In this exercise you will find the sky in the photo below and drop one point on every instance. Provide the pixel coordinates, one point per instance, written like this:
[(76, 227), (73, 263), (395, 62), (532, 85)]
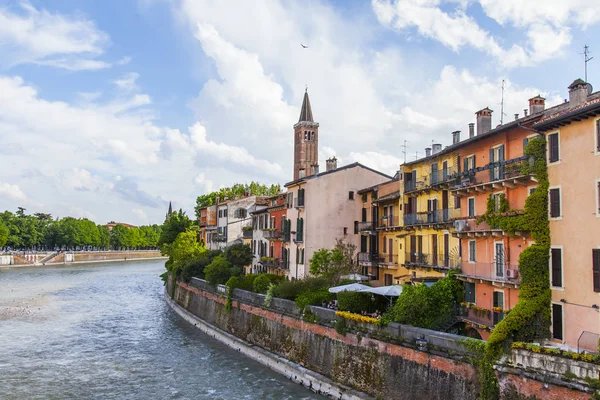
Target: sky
[(110, 109)]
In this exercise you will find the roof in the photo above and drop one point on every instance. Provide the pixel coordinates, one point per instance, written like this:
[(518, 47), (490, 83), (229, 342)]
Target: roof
[(387, 197), (588, 109), (306, 111), (371, 188), (333, 171)]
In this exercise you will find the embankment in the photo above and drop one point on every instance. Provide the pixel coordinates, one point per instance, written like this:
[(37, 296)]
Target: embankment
[(41, 259), (392, 362)]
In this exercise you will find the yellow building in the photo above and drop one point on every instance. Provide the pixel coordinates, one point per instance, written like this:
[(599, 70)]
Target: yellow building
[(428, 248)]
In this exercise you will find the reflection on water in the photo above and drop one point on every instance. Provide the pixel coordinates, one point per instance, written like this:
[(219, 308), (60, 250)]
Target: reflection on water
[(104, 331)]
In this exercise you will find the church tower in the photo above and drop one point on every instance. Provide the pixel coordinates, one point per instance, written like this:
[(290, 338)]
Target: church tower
[(306, 142)]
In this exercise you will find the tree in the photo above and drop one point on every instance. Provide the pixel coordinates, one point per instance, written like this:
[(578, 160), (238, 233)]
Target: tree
[(332, 264), (103, 236), (238, 255), (175, 224), (219, 271), (183, 250), (238, 189), (3, 234)]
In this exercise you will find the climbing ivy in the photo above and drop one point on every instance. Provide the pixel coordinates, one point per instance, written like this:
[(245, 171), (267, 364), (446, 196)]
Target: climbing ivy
[(529, 320)]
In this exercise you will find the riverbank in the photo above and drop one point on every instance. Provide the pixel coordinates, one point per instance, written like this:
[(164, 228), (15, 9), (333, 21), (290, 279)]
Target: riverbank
[(393, 361), (58, 259)]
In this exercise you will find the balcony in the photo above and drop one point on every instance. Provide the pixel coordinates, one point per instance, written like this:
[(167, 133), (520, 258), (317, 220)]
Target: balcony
[(442, 216), (299, 202), (368, 258), (493, 177), (272, 234), (481, 318), (388, 260), (271, 262), (443, 178), (413, 186), (468, 228), (437, 261), (219, 239), (496, 273), (247, 233), (365, 226), (389, 222)]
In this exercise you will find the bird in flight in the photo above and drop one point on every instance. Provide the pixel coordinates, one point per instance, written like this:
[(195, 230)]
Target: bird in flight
[(303, 46)]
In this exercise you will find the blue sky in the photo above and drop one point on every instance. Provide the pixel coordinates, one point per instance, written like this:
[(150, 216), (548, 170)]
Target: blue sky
[(110, 109)]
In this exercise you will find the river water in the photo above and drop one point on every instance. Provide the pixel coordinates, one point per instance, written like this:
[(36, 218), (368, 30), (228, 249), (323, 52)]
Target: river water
[(104, 331)]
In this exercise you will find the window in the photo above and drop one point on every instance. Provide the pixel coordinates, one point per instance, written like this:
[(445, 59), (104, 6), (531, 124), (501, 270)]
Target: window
[(387, 279), (384, 246), (300, 197), (364, 198), (498, 301), (469, 163), (351, 195), (555, 203), (302, 256), (472, 249), (456, 202), (596, 269), (299, 230), (374, 195), (470, 292), (497, 197), (556, 267), (525, 141), (290, 200), (496, 158), (532, 190), (345, 231), (557, 321), (553, 150), (355, 227), (471, 206)]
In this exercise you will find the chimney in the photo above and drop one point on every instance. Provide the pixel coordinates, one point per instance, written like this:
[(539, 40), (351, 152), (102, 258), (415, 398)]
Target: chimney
[(455, 137), (218, 199), (578, 92), (484, 120), (427, 151), (436, 148), (331, 164), (471, 130), (537, 104), (525, 112), (516, 117)]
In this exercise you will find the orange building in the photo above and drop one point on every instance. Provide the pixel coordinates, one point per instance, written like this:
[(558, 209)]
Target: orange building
[(491, 180)]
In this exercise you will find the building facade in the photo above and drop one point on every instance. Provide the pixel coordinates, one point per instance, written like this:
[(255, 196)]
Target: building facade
[(573, 158)]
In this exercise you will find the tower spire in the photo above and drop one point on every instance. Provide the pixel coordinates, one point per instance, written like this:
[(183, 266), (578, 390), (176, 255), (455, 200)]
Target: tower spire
[(306, 111)]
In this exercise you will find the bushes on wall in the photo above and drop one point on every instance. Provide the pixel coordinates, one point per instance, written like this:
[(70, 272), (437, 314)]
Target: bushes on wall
[(261, 284), (314, 298), (354, 302)]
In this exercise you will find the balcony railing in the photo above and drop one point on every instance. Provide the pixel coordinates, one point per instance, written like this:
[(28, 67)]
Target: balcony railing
[(487, 178), (443, 176), (388, 259), (368, 257), (365, 226), (419, 184), (247, 233), (432, 217), (389, 221), (272, 262), (491, 271), (481, 318), (272, 234), (435, 260)]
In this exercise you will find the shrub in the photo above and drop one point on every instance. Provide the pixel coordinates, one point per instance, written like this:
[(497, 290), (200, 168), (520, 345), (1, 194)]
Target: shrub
[(261, 284), (341, 326), (313, 298), (354, 302), (357, 317), (290, 290), (218, 271)]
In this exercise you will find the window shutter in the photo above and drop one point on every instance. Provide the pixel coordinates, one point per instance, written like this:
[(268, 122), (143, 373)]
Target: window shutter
[(501, 159), (525, 141), (466, 164), (474, 164), (364, 215), (598, 135), (555, 203), (554, 152), (384, 246), (556, 267), (557, 331), (596, 268), (355, 227), (492, 168)]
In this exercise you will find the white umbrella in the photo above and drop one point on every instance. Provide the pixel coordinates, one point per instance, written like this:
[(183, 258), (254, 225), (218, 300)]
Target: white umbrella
[(355, 277), (388, 291), (353, 287)]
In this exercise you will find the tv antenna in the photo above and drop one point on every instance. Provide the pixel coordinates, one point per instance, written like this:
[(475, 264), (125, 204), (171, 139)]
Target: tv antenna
[(404, 150), (502, 114), (586, 58), (416, 155)]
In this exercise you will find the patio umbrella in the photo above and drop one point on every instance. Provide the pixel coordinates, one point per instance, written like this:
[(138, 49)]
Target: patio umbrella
[(355, 277), (388, 291), (353, 287)]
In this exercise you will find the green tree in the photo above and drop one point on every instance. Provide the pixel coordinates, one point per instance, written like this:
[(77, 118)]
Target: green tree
[(3, 234), (183, 250), (103, 236), (219, 271), (238, 189), (238, 255), (149, 236), (332, 264), (119, 237), (177, 223)]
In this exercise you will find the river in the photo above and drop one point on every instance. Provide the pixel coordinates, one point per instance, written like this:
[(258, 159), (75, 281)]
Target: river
[(104, 331)]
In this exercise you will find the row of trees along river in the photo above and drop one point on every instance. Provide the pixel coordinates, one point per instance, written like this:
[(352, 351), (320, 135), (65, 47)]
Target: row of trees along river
[(20, 231)]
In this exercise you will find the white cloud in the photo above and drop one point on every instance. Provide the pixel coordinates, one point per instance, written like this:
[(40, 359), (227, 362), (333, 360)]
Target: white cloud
[(547, 28), (207, 185), (128, 82), (142, 217), (13, 192), (385, 163), (38, 36)]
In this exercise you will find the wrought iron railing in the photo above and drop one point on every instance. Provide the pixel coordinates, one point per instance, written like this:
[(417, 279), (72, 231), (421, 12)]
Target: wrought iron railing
[(388, 221), (494, 271), (365, 226)]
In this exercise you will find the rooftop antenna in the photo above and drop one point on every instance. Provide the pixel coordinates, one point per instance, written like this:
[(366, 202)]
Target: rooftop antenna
[(416, 155), (502, 114), (404, 150), (586, 58)]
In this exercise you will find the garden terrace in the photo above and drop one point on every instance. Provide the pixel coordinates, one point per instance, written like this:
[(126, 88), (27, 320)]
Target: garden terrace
[(493, 177), (498, 274)]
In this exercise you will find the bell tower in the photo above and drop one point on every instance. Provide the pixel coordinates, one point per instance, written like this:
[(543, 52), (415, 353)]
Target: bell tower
[(306, 142)]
